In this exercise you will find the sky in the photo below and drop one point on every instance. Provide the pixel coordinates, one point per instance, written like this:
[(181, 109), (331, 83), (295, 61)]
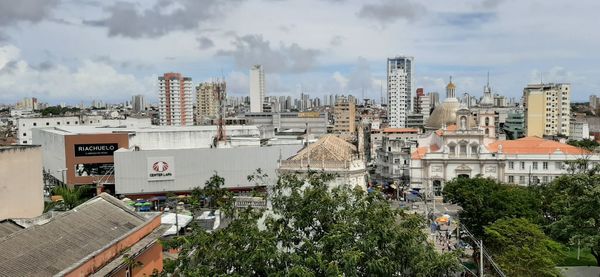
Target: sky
[(80, 50)]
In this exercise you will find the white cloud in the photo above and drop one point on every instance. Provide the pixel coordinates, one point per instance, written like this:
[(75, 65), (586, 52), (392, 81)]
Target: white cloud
[(89, 80)]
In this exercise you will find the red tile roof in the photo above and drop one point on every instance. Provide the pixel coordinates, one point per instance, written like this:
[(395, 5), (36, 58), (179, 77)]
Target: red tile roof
[(534, 145), (400, 130), (419, 153)]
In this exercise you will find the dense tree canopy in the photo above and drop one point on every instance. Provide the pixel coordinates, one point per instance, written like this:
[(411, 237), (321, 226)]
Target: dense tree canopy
[(313, 230), (483, 201), (571, 206), (522, 249), (585, 143)]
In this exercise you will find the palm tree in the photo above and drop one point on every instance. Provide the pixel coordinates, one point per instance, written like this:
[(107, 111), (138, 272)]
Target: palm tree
[(71, 197)]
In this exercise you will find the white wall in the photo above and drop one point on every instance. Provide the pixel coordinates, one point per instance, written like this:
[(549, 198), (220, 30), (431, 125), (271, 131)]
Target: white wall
[(193, 167)]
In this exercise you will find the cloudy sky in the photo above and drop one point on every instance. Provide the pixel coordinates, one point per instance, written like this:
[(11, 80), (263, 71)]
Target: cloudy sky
[(79, 50)]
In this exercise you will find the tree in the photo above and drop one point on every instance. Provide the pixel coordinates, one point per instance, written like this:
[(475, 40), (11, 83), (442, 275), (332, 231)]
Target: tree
[(522, 249), (314, 230), (71, 196), (571, 206), (587, 144), (483, 201)]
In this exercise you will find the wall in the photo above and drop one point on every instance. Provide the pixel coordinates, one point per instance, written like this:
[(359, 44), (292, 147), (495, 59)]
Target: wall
[(72, 161), (102, 258), (150, 259), (53, 151), (21, 184), (192, 167), (189, 137), (535, 114)]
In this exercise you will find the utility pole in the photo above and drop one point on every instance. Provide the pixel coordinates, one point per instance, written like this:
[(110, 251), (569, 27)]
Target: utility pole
[(480, 258)]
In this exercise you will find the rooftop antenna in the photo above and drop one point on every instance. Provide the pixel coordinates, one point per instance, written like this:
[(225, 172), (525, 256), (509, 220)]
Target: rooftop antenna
[(541, 78)]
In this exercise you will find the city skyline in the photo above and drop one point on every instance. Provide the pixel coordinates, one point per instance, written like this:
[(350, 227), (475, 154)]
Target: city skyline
[(102, 48)]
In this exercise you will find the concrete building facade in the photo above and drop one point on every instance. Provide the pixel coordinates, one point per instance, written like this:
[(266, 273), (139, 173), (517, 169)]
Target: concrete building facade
[(257, 88), (399, 89), (175, 100), (547, 109), (21, 185), (26, 124), (154, 172), (344, 114), (209, 96)]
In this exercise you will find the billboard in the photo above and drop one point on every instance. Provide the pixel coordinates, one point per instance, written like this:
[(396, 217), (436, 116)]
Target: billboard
[(95, 169), (161, 168), (96, 149)]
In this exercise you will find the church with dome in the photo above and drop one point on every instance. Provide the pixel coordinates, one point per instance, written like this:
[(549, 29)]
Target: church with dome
[(445, 113)]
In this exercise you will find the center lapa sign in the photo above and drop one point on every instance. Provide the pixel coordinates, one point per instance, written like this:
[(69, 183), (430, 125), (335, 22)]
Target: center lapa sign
[(161, 168)]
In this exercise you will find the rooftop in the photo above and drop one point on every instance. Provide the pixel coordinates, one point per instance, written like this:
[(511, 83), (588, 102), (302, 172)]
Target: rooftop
[(534, 145), (400, 130), (75, 130), (327, 148), (67, 239)]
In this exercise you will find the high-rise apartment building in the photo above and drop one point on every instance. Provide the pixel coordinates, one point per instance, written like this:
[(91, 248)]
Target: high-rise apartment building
[(257, 88), (593, 102), (208, 100), (344, 114), (399, 87), (138, 103), (175, 100), (547, 109)]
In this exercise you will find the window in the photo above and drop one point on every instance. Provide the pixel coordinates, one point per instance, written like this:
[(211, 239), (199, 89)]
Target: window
[(559, 165), (511, 165), (545, 179), (521, 179), (68, 122), (24, 134), (522, 165), (34, 124), (24, 142), (473, 150), (487, 121), (511, 179), (463, 150), (452, 150), (57, 123), (545, 165), (535, 166), (47, 123)]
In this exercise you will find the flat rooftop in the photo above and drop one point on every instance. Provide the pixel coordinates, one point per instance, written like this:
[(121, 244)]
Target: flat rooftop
[(79, 130)]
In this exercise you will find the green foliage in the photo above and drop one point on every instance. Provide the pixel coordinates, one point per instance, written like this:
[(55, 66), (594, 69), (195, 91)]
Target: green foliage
[(585, 257), (213, 195), (72, 196), (313, 230), (585, 144), (58, 110), (571, 207), (484, 201), (521, 248)]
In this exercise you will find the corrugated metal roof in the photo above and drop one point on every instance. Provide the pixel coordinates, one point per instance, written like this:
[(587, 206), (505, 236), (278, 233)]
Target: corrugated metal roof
[(8, 227), (45, 250)]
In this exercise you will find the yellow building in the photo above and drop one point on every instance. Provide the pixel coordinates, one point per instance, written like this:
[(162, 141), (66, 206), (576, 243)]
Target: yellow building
[(547, 109), (208, 100), (344, 113)]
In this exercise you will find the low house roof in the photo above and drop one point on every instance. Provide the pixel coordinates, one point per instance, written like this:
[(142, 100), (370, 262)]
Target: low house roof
[(534, 145), (46, 250)]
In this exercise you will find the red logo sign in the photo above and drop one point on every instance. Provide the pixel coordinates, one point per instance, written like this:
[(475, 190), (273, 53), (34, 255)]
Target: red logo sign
[(160, 166)]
